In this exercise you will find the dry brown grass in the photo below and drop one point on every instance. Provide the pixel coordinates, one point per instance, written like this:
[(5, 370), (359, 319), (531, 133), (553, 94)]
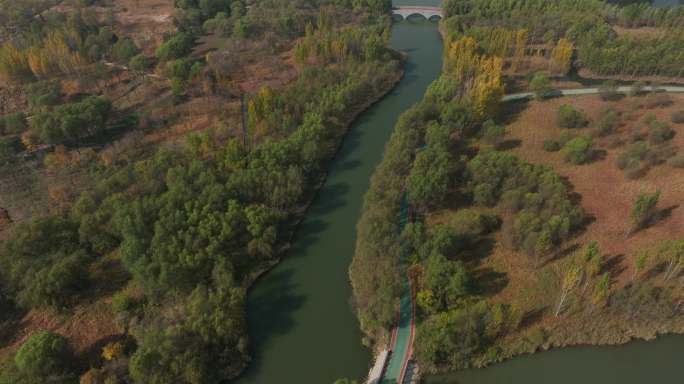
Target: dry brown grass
[(531, 286), (640, 33), (145, 21), (606, 194)]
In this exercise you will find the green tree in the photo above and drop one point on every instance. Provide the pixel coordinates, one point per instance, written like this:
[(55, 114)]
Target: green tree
[(428, 182), (43, 264), (448, 280)]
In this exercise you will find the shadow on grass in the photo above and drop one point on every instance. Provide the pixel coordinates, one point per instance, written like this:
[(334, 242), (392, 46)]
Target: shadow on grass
[(489, 282), (509, 144), (10, 321), (510, 111), (532, 317), (613, 265), (657, 218), (561, 254)]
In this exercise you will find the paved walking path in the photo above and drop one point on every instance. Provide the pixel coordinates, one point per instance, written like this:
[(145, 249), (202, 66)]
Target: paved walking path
[(588, 91)]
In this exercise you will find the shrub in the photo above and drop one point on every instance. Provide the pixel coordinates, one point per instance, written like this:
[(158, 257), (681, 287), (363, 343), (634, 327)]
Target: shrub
[(659, 132), (72, 121), (607, 122), (43, 93), (124, 50), (540, 85), (609, 90), (42, 355), (49, 251), (13, 123), (578, 150), (657, 100), (176, 47), (636, 171), (569, 117), (551, 145), (8, 150), (678, 117), (637, 88), (492, 133), (634, 152), (139, 63), (677, 161), (645, 208)]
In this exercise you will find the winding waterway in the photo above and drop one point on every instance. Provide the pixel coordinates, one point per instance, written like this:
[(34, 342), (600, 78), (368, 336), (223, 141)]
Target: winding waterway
[(300, 320), (301, 323)]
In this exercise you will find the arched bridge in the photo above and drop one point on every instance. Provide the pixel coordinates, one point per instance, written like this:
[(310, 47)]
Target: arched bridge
[(426, 12)]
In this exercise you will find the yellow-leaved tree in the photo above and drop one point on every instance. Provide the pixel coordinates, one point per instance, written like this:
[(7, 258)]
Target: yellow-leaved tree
[(561, 56)]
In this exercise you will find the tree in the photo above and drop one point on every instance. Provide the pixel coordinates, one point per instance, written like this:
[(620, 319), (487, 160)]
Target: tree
[(644, 209), (569, 117), (540, 85), (562, 56), (570, 280)]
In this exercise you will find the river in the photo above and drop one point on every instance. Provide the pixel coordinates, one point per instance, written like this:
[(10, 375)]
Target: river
[(300, 321)]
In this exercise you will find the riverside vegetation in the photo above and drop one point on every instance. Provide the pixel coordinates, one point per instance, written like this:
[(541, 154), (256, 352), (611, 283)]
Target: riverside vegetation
[(507, 250), (160, 242)]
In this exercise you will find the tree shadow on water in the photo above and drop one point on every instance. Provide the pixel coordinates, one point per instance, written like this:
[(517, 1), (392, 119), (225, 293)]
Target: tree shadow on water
[(330, 197), (270, 310)]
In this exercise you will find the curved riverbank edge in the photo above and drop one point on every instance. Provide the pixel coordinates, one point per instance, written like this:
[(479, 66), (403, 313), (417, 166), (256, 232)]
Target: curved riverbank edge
[(315, 190)]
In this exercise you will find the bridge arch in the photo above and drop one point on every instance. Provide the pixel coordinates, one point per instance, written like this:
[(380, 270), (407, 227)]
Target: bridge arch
[(429, 13)]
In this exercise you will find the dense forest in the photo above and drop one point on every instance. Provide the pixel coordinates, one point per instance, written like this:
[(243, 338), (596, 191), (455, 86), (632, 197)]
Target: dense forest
[(589, 25), (188, 227)]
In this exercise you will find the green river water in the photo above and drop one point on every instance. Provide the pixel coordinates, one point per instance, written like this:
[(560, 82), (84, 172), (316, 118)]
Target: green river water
[(300, 321)]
